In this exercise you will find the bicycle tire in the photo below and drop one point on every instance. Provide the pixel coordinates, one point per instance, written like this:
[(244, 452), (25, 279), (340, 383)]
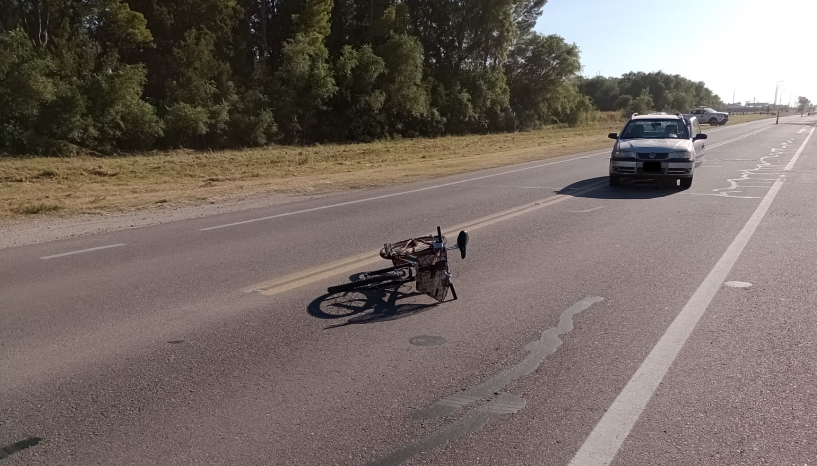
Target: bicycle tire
[(395, 269), (368, 282)]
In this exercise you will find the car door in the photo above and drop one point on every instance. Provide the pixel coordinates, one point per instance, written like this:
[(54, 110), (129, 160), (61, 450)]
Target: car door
[(700, 144)]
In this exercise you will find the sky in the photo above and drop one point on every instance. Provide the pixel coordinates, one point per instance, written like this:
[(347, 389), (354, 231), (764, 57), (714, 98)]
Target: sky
[(745, 47)]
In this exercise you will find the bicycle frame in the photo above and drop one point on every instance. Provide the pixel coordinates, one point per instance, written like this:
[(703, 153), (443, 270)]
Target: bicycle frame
[(422, 259), (430, 262)]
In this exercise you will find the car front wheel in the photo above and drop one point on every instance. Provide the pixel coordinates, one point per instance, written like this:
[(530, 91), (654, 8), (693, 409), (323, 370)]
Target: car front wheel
[(615, 180), (686, 183), (713, 121)]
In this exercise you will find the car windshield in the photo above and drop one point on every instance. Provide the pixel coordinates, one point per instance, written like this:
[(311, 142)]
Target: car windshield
[(655, 129)]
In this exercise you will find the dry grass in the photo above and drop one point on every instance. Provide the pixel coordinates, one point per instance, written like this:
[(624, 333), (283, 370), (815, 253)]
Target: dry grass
[(65, 186)]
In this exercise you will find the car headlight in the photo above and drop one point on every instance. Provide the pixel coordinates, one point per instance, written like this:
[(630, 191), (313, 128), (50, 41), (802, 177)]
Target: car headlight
[(681, 155), (623, 154)]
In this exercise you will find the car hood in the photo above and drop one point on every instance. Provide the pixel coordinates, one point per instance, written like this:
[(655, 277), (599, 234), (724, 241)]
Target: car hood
[(655, 145)]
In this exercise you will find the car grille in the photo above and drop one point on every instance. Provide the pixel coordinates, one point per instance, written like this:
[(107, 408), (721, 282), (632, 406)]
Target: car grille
[(658, 155)]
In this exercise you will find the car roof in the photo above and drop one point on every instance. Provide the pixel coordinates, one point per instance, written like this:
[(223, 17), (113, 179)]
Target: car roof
[(656, 117)]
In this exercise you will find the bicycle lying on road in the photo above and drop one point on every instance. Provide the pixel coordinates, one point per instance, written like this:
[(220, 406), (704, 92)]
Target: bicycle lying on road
[(423, 260)]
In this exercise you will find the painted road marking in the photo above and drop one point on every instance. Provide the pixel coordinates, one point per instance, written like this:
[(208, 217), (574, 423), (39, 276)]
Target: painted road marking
[(729, 141), (402, 193), (726, 195), (587, 210), (604, 442), (511, 186), (736, 284), (81, 251), (793, 160), (306, 277), (752, 176)]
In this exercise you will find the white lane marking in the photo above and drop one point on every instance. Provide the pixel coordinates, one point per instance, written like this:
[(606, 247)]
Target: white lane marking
[(793, 160), (587, 210), (603, 443), (729, 141), (724, 195), (510, 186), (403, 193), (754, 176), (83, 251), (735, 284)]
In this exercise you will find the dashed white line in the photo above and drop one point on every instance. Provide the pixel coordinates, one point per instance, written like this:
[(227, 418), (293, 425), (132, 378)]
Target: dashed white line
[(725, 195), (81, 251), (587, 210), (511, 186), (602, 445)]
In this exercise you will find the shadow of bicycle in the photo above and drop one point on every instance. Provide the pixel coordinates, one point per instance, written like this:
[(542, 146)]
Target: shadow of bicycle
[(370, 305)]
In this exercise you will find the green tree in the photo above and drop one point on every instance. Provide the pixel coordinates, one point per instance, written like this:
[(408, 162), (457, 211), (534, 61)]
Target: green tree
[(803, 104), (200, 93), (407, 100), (120, 117), (313, 21), (303, 86), (80, 95), (641, 104), (358, 104), (542, 72), (526, 13), (602, 91)]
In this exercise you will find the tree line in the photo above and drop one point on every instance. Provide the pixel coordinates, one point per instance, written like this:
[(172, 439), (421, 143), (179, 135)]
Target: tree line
[(117, 75), (639, 92)]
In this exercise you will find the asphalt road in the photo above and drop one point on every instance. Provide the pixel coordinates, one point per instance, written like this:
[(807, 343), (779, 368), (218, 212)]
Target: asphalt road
[(628, 326)]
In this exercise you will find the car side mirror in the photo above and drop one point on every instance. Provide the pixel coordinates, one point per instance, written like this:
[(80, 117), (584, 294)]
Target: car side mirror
[(613, 135), (701, 136), (462, 242)]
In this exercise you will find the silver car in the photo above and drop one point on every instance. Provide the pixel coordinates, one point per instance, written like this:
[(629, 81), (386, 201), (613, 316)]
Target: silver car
[(657, 146)]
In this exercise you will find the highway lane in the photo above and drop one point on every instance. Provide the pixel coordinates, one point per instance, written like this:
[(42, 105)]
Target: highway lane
[(258, 379), (171, 268)]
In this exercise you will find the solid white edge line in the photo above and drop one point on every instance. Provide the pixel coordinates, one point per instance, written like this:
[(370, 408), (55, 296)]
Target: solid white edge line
[(402, 193), (82, 251), (602, 445)]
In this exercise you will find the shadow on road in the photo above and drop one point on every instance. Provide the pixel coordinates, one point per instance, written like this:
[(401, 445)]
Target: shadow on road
[(370, 305), (629, 189)]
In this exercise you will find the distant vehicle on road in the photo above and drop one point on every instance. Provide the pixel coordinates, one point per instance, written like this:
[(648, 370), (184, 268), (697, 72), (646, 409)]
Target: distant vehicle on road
[(708, 115), (657, 146)]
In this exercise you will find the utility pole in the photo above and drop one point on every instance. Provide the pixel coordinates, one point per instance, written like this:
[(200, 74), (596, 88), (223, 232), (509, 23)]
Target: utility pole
[(777, 88)]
